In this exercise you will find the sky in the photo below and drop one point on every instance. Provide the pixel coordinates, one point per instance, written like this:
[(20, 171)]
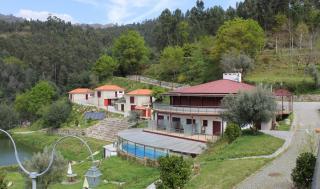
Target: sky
[(99, 11)]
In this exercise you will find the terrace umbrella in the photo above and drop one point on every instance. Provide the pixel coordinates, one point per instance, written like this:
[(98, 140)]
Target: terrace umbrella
[(69, 169), (85, 183)]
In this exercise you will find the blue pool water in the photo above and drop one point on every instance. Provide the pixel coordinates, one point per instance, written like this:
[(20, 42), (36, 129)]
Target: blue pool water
[(141, 152)]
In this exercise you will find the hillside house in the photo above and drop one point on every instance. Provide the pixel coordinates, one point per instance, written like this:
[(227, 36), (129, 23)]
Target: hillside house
[(106, 95), (196, 110), (81, 96), (137, 100)]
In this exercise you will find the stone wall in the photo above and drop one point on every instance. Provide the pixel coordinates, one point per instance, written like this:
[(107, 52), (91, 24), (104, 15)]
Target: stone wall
[(69, 131), (164, 84), (307, 98)]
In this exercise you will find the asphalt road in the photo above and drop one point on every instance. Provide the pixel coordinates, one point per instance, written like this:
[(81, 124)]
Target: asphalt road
[(277, 174)]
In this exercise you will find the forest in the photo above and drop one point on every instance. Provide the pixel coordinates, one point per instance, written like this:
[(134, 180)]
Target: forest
[(188, 47)]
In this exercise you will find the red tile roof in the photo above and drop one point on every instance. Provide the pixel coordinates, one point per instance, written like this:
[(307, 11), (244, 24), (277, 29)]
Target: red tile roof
[(81, 91), (223, 86), (142, 92), (109, 88)]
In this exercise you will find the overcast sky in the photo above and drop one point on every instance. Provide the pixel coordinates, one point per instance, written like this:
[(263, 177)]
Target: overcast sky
[(99, 11)]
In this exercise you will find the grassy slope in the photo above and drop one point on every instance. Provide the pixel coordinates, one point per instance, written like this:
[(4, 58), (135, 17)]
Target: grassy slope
[(216, 170), (71, 149), (134, 175), (220, 173), (129, 85), (274, 68), (283, 126)]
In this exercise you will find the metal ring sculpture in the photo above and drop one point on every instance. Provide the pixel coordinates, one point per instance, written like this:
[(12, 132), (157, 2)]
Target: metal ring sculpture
[(34, 175)]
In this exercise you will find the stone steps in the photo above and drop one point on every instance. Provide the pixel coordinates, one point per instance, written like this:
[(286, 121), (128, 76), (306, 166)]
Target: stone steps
[(108, 129)]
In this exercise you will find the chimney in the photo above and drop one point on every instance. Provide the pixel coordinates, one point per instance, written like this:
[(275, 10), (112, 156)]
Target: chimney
[(233, 76)]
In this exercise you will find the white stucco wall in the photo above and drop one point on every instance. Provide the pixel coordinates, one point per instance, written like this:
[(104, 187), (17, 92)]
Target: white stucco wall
[(266, 125), (106, 95), (138, 101), (81, 98), (198, 120)]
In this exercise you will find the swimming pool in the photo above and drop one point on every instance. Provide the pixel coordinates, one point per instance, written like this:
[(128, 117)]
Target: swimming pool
[(142, 151)]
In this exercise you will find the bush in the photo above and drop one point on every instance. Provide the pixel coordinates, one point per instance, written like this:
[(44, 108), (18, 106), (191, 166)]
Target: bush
[(174, 172), (40, 161), (303, 172), (233, 131), (57, 113), (3, 182)]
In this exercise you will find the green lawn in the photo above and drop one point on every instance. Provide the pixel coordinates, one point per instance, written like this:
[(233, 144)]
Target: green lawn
[(283, 126), (71, 149), (218, 172), (116, 169)]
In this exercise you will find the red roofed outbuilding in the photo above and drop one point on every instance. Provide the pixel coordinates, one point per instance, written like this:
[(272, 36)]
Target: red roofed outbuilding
[(81, 95), (105, 95)]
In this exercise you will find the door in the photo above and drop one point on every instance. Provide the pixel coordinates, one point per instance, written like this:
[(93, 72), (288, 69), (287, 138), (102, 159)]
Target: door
[(106, 102), (216, 128), (122, 107)]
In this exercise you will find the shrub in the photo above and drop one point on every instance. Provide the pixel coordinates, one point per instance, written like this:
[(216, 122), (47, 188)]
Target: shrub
[(303, 172), (57, 113), (233, 131), (3, 182), (174, 172), (40, 161)]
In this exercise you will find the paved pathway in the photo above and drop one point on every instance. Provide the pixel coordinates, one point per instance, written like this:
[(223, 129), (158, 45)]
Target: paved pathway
[(276, 175)]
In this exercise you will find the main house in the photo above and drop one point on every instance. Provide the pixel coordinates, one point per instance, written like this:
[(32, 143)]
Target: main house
[(196, 110)]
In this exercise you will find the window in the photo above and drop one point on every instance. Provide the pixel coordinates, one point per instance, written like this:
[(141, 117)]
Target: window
[(70, 96), (204, 123), (132, 99), (133, 107), (116, 94), (99, 94), (189, 121), (86, 96), (150, 99)]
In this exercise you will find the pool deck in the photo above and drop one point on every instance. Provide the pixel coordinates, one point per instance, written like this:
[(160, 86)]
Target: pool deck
[(161, 141)]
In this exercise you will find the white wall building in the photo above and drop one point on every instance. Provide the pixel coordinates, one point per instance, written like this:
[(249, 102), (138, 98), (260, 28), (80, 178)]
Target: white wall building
[(138, 100), (82, 96), (106, 95)]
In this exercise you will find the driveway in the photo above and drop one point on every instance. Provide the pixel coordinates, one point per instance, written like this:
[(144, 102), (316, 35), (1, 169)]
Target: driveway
[(277, 174)]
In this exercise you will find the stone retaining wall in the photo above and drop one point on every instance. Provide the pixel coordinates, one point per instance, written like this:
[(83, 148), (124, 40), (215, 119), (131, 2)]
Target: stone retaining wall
[(306, 98), (76, 132)]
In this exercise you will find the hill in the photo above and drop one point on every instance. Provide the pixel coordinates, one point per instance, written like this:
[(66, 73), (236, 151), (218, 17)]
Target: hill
[(10, 18), (289, 69)]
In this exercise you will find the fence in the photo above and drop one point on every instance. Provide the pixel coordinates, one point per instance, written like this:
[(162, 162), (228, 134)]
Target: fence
[(140, 150), (164, 84)]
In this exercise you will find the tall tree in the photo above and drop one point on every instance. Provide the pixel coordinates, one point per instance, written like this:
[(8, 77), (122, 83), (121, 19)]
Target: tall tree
[(252, 107), (30, 103), (242, 35), (131, 52), (105, 67)]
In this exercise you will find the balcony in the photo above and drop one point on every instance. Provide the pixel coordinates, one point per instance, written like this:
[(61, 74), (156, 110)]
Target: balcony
[(178, 130), (188, 109)]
